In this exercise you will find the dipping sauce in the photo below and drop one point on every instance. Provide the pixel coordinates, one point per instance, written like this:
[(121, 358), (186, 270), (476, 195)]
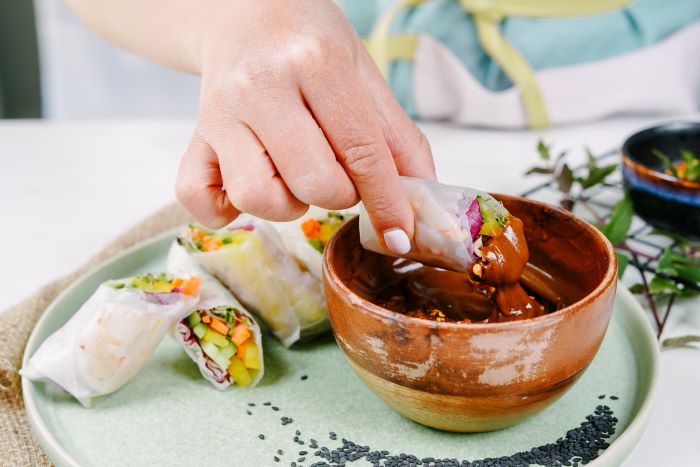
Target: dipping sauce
[(503, 286)]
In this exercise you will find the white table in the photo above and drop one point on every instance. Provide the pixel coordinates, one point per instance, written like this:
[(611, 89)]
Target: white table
[(66, 189)]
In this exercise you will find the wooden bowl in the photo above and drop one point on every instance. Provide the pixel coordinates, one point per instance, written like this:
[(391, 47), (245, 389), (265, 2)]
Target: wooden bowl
[(478, 377), (661, 199)]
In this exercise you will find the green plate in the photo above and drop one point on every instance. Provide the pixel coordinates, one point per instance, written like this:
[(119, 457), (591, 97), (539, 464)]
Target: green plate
[(169, 415)]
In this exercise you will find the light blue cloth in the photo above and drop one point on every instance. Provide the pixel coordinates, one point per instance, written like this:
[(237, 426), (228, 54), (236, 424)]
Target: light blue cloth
[(545, 43)]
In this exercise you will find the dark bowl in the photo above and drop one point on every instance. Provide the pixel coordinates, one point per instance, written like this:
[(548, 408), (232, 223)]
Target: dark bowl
[(661, 199)]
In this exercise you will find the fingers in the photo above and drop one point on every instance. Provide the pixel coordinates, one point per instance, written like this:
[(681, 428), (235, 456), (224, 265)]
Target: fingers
[(302, 155), (199, 186), (251, 179), (343, 109), (408, 145)]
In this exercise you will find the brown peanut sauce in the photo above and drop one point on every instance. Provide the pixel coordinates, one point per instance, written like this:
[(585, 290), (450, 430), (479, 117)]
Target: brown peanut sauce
[(503, 286)]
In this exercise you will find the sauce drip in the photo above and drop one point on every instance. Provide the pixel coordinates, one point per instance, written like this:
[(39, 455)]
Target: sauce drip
[(503, 286), (503, 259)]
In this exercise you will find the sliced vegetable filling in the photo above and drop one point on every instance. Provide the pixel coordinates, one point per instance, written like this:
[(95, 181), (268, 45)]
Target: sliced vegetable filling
[(161, 284), (318, 231), (225, 336), (198, 238)]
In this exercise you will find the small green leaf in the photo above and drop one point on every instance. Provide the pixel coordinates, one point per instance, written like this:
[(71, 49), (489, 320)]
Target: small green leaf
[(682, 266), (687, 156), (620, 221), (666, 161), (565, 178), (539, 170), (680, 340), (543, 150), (622, 262), (662, 286), (637, 288)]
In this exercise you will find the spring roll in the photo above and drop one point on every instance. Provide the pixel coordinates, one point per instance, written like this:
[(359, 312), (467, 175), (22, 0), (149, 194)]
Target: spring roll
[(450, 224), (249, 258), (219, 335), (109, 339), (306, 238)]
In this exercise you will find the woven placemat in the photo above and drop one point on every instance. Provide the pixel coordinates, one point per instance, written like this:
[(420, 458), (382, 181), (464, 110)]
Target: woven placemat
[(17, 444)]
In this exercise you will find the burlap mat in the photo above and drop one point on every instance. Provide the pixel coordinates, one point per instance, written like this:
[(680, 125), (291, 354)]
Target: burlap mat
[(17, 444)]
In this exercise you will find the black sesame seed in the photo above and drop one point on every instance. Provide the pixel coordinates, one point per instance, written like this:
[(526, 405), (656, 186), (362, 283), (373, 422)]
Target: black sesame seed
[(277, 459), (267, 403), (261, 436), (251, 404), (303, 453), (614, 398), (298, 433), (304, 377), (249, 412), (602, 396), (275, 408)]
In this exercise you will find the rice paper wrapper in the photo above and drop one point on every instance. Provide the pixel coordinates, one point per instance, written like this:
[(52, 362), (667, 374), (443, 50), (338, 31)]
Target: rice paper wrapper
[(298, 245), (107, 341), (268, 281), (447, 222), (212, 294)]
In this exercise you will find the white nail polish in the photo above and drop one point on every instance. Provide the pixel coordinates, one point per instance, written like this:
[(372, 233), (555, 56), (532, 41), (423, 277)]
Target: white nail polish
[(397, 241)]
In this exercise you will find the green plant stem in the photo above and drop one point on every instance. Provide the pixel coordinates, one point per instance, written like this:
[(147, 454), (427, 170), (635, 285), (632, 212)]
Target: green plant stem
[(650, 299), (668, 312)]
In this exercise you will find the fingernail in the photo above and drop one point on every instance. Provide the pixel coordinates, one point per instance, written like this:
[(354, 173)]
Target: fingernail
[(397, 241)]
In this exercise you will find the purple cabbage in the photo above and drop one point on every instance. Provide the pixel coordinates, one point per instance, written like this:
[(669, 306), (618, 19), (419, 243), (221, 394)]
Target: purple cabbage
[(474, 217), (166, 298), (249, 227)]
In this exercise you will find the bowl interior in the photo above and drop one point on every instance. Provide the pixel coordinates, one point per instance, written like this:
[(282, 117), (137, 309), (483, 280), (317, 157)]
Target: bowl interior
[(669, 139), (572, 251)]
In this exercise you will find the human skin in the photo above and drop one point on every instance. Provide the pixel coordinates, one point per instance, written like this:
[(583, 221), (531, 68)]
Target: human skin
[(292, 109)]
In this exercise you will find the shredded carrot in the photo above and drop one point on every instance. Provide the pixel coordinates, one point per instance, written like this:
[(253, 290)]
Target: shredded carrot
[(211, 244), (191, 286), (241, 333), (219, 326), (311, 228), (206, 319), (177, 282), (196, 233)]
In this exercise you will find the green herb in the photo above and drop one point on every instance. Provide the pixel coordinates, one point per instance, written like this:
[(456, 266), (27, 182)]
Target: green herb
[(669, 166), (596, 174), (620, 221), (688, 168), (118, 285)]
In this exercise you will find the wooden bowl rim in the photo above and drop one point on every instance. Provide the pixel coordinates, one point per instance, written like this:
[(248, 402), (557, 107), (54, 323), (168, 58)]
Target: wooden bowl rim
[(608, 280)]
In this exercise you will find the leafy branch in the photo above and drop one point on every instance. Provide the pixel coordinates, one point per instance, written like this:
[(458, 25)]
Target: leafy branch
[(677, 267)]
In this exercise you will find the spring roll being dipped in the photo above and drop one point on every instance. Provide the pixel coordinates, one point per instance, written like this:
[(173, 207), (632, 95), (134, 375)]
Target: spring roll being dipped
[(108, 340), (219, 335), (466, 230)]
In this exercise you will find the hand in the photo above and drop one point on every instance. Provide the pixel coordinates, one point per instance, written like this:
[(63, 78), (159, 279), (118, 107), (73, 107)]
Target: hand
[(294, 112)]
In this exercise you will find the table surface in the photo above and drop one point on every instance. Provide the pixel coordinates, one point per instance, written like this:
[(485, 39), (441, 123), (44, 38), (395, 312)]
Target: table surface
[(68, 188)]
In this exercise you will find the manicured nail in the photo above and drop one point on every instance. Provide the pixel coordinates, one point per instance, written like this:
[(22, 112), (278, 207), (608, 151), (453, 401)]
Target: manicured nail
[(397, 241)]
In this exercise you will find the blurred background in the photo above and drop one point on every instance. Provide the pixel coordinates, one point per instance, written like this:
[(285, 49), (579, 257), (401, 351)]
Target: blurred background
[(45, 72)]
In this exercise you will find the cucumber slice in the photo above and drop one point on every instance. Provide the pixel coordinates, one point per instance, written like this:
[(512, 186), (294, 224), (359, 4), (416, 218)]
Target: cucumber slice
[(194, 319), (214, 353), (228, 351), (215, 338), (199, 330)]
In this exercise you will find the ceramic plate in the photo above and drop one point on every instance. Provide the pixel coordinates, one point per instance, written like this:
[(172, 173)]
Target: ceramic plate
[(169, 415)]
